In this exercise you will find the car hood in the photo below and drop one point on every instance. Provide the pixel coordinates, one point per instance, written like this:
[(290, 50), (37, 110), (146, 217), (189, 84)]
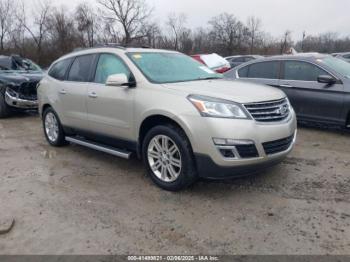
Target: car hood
[(237, 91), (19, 77)]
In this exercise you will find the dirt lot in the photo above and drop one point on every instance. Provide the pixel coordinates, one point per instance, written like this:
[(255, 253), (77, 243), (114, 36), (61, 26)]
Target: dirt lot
[(74, 200)]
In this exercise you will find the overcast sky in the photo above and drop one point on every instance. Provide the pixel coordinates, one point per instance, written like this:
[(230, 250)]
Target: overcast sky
[(313, 16)]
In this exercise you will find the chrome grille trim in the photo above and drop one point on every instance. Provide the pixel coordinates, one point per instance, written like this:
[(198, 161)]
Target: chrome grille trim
[(269, 111)]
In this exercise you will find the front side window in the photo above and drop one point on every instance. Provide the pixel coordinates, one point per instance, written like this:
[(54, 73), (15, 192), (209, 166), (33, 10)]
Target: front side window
[(264, 70), (166, 67), (58, 70), (338, 65), (80, 70), (107, 65), (302, 71)]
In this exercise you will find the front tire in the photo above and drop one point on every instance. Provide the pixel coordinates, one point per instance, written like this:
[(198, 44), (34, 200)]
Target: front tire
[(53, 129), (5, 110), (168, 157)]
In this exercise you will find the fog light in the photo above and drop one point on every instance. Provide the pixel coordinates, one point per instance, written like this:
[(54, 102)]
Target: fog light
[(231, 142)]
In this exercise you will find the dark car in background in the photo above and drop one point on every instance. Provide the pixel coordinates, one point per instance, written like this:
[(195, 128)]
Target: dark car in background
[(214, 62), (19, 78), (241, 59), (345, 56), (318, 86)]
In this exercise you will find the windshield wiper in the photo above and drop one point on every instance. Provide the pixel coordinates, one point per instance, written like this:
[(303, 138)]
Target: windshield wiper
[(209, 78)]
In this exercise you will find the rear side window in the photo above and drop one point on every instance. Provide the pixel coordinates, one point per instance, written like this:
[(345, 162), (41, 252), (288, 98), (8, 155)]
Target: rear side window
[(109, 64), (58, 70), (80, 70), (302, 71), (266, 70)]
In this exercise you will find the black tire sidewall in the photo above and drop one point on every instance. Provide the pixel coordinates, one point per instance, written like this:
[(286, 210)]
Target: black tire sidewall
[(61, 137), (188, 171), (5, 110)]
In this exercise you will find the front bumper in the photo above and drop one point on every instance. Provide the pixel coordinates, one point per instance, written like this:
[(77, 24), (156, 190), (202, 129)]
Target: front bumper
[(208, 169), (15, 101), (210, 161)]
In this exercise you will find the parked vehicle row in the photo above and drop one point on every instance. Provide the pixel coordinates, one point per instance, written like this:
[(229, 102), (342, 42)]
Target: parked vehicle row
[(318, 86), (18, 84), (345, 56), (214, 62), (183, 119), (241, 59)]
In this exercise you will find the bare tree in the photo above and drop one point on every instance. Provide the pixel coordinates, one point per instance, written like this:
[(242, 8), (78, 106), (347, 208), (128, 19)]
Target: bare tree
[(38, 28), (286, 41), (151, 33), (228, 33), (176, 24), (62, 31), (253, 25), (87, 22), (129, 14), (7, 14)]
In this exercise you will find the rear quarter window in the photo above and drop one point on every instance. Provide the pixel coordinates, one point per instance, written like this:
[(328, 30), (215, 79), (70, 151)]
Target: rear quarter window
[(243, 72)]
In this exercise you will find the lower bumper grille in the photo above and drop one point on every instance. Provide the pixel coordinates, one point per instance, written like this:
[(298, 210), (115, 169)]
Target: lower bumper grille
[(247, 151), (278, 146)]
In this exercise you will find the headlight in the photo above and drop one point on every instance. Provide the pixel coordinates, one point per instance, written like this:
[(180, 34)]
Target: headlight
[(214, 107)]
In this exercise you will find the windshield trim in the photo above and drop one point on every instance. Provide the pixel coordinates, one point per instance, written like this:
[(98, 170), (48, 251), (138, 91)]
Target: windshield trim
[(128, 54)]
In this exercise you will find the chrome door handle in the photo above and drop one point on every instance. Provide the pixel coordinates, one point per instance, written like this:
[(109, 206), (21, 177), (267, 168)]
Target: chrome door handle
[(92, 95), (63, 92), (285, 85)]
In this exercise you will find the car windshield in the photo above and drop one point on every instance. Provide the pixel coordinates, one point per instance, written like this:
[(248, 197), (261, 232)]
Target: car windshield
[(169, 67), (338, 65)]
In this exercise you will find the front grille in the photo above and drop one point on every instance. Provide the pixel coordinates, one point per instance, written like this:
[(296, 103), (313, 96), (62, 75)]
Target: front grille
[(278, 146), (28, 90), (247, 151), (272, 111)]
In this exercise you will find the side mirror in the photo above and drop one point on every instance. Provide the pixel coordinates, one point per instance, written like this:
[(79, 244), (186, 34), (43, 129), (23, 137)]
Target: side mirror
[(119, 80), (326, 79)]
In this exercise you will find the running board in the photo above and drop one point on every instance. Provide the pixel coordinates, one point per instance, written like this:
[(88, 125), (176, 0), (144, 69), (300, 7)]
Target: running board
[(100, 147)]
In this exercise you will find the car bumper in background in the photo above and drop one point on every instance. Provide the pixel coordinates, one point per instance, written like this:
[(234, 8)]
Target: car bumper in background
[(20, 103)]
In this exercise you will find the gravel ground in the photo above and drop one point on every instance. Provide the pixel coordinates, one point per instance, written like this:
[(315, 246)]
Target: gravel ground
[(73, 200)]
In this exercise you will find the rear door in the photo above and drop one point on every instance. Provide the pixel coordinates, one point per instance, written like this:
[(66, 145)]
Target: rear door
[(73, 92), (261, 72), (313, 100)]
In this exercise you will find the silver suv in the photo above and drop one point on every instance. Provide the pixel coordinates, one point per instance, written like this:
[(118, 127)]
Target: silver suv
[(180, 117)]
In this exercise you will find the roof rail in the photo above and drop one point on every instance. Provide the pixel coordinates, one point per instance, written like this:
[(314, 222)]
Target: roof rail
[(122, 46), (110, 45)]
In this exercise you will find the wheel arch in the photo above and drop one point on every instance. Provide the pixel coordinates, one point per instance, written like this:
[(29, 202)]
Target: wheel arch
[(43, 108), (158, 119)]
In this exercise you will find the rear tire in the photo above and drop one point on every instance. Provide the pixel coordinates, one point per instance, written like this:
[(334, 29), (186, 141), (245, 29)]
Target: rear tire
[(5, 110), (168, 157), (53, 129)]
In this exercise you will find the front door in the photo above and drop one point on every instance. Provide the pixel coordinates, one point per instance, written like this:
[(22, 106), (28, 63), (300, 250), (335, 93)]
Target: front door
[(110, 109), (313, 100)]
